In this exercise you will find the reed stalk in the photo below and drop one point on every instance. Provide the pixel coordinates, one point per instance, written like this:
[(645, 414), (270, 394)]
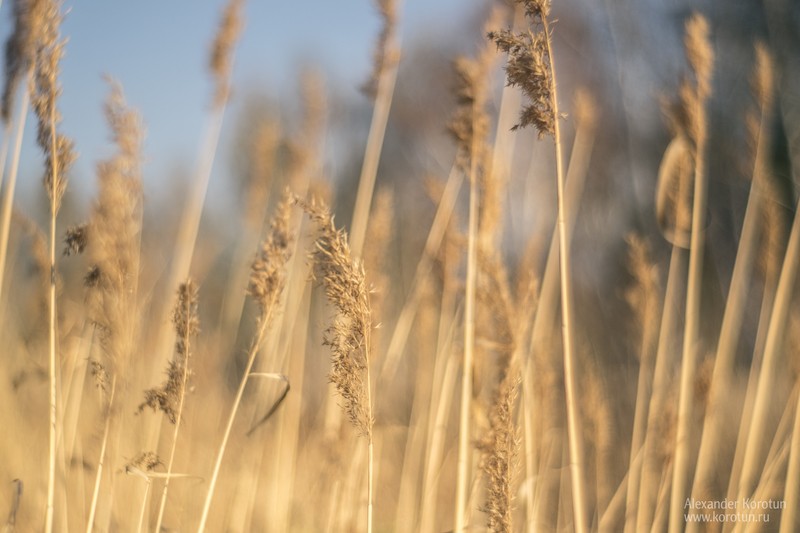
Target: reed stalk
[(701, 59), (267, 281), (384, 79)]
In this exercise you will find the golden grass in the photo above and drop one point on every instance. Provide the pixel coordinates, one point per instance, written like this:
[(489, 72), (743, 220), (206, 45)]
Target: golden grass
[(482, 393)]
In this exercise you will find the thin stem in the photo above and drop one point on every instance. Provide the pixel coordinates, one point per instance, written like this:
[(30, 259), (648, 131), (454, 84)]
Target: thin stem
[(143, 509), (254, 349), (8, 197), (570, 379), (731, 325), (54, 204), (101, 460), (407, 314), (187, 311), (681, 474), (371, 468), (769, 370), (469, 341), (372, 153)]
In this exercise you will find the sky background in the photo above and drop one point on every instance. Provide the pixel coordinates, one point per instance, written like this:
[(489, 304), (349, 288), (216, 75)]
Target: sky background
[(159, 51)]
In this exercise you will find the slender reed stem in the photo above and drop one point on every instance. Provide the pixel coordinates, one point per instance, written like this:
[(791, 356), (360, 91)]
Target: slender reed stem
[(372, 154), (254, 349), (187, 312), (371, 455), (405, 321), (464, 440), (769, 369), (54, 204), (570, 379), (732, 322), (143, 509), (700, 57), (8, 197), (101, 459)]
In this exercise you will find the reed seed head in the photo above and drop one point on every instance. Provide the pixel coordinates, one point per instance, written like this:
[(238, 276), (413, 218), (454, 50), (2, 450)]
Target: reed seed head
[(528, 68), (45, 90), (268, 272), (187, 324), (115, 226), (145, 461), (644, 294), (221, 61), (500, 448), (76, 239), (386, 55), (20, 49), (349, 337), (700, 53)]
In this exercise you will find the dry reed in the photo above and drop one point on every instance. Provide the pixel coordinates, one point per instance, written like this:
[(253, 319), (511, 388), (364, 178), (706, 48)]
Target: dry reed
[(59, 156), (350, 336), (532, 68), (700, 56), (267, 281)]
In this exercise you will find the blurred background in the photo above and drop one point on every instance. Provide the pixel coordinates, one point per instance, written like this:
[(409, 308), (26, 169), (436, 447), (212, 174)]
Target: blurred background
[(628, 54)]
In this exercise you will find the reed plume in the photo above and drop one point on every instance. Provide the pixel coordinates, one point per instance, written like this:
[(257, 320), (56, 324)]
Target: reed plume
[(112, 242), (221, 60), (700, 56), (170, 397), (20, 50), (501, 450), (350, 335), (385, 54), (59, 156)]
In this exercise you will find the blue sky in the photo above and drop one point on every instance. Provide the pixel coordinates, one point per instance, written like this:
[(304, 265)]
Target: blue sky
[(158, 50)]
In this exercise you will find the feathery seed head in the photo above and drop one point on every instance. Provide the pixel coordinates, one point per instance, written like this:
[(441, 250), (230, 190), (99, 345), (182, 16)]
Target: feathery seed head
[(221, 61), (146, 461), (644, 294), (187, 324), (349, 336), (20, 49), (115, 226), (500, 448), (268, 272), (529, 69), (386, 55), (45, 90), (700, 53), (75, 240)]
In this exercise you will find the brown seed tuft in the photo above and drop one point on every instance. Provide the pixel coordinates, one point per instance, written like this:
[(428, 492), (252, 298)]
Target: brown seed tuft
[(349, 338), (268, 272), (147, 461), (75, 240), (45, 89), (500, 449), (184, 317), (529, 67), (386, 55), (221, 62), (20, 49)]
